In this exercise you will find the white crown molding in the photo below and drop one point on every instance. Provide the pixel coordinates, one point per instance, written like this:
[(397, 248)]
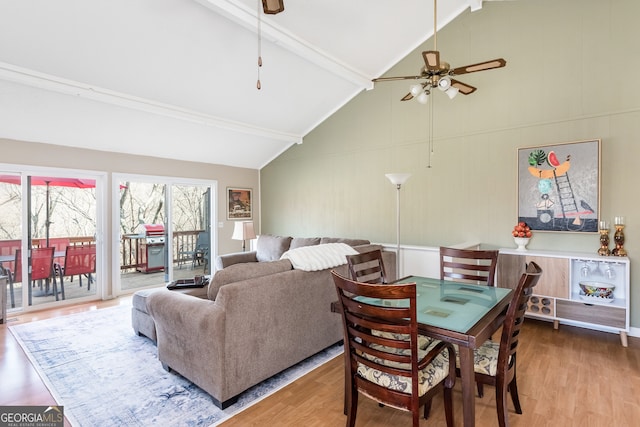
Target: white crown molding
[(475, 5), (270, 31), (52, 83)]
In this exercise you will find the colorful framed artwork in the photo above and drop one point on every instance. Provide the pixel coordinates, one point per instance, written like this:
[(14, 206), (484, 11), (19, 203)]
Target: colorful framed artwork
[(239, 203), (559, 186)]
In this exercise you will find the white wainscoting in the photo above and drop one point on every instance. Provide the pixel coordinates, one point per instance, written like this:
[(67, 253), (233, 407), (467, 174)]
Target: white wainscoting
[(422, 260)]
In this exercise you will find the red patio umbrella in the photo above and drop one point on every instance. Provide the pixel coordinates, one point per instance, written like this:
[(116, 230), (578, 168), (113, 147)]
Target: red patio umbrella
[(50, 181)]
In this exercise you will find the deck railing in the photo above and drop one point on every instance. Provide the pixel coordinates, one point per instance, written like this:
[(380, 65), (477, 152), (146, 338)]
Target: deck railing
[(183, 242)]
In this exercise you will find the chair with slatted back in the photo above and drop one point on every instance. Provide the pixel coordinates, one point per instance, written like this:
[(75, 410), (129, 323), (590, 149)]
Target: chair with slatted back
[(59, 244), (468, 265), (495, 363), (41, 269), (367, 267), (8, 249), (390, 369), (79, 261)]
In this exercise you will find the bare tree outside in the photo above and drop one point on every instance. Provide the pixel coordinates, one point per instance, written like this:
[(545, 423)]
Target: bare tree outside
[(72, 211)]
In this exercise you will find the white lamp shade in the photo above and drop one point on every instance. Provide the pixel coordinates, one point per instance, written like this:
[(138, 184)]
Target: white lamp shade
[(423, 98), (243, 230), (415, 89), (452, 92), (444, 83), (398, 178)]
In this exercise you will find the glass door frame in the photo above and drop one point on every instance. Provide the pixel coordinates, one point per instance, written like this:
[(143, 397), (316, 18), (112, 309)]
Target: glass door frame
[(169, 182), (101, 184)]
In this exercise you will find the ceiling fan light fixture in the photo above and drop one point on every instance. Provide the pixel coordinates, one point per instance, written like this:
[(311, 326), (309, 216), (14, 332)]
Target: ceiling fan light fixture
[(423, 98), (272, 7), (415, 89), (452, 92), (444, 83)]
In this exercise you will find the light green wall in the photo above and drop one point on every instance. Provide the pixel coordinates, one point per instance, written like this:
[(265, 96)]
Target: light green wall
[(569, 77)]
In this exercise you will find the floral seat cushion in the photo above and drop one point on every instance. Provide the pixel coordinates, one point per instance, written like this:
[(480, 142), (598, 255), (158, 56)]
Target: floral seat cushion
[(428, 377), (485, 358)]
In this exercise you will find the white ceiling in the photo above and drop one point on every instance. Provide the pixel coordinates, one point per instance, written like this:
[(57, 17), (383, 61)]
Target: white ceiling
[(177, 78)]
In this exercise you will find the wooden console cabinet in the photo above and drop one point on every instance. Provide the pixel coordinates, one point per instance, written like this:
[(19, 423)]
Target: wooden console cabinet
[(558, 297)]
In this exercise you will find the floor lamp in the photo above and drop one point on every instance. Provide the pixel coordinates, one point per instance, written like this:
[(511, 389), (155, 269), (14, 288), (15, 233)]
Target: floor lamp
[(398, 179)]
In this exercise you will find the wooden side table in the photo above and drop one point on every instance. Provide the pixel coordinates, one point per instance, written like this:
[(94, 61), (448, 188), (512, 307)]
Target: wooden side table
[(3, 298)]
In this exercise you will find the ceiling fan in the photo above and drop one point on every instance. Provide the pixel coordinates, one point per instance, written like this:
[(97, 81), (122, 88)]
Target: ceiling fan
[(437, 73), (272, 7)]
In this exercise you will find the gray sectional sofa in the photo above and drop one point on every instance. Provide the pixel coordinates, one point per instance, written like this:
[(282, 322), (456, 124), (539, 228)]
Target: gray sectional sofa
[(259, 317)]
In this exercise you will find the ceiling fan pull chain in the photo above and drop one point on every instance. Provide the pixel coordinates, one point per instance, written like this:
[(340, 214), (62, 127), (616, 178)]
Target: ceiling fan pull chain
[(430, 143), (258, 85)]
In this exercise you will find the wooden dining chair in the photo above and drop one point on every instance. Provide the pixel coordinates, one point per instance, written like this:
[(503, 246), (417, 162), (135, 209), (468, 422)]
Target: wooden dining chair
[(468, 265), (367, 267), (391, 370), (495, 363)]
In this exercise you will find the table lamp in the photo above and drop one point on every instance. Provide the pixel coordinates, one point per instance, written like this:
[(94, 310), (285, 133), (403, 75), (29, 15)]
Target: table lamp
[(243, 230)]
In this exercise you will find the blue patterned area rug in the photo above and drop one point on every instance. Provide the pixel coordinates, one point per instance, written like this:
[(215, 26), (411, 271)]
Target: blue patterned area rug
[(105, 375)]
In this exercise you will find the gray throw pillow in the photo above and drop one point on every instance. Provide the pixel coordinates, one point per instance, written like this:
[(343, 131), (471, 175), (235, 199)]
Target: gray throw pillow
[(271, 248), (299, 242), (350, 242)]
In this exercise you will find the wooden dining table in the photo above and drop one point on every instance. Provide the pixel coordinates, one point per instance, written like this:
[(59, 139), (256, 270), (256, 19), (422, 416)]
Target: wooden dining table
[(463, 314)]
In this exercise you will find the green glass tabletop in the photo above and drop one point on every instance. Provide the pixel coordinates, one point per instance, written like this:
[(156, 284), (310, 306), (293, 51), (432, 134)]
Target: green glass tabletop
[(450, 305)]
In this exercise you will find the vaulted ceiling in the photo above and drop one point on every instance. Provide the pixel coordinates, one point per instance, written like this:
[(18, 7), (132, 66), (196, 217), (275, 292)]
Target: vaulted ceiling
[(177, 78)]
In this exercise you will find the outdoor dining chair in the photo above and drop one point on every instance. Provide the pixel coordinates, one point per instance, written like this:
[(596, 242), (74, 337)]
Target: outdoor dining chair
[(79, 261), (198, 254), (8, 249), (41, 269), (391, 370)]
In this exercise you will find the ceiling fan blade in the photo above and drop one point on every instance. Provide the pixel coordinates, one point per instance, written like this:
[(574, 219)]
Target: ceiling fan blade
[(431, 59), (407, 97), (389, 79), (487, 65), (463, 88)]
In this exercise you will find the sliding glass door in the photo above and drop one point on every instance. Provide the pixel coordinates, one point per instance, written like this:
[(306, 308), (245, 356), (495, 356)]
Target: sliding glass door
[(164, 230), (53, 258)]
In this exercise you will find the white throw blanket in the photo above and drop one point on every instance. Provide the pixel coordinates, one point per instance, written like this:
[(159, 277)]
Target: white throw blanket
[(319, 257)]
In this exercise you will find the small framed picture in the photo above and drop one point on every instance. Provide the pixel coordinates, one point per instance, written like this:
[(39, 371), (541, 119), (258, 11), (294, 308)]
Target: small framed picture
[(559, 186), (239, 203)]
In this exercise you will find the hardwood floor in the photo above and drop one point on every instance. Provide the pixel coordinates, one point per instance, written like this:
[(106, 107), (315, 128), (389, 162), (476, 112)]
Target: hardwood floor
[(20, 384), (569, 377)]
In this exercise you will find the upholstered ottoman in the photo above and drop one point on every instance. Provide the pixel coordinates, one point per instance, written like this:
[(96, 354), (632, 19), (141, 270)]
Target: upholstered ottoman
[(142, 321)]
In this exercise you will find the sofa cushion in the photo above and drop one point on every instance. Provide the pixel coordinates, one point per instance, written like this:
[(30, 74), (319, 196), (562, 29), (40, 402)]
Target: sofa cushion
[(238, 272), (271, 248), (299, 242), (350, 242)]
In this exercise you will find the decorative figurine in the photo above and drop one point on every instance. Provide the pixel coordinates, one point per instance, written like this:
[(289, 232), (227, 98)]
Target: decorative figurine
[(618, 237)]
